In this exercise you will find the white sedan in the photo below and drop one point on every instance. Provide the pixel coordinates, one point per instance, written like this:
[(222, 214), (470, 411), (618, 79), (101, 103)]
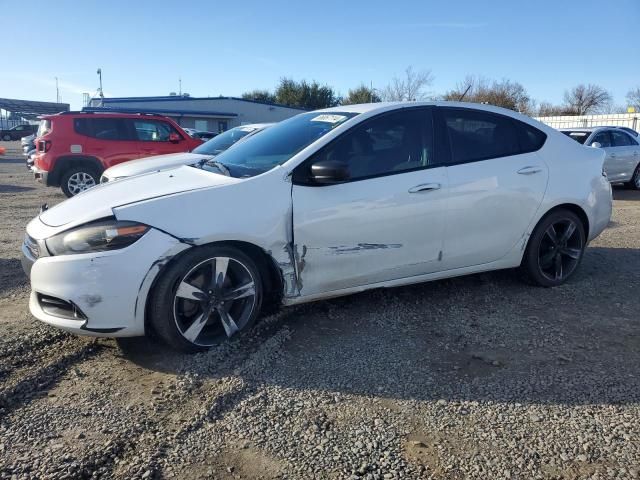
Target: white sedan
[(326, 203), (199, 156)]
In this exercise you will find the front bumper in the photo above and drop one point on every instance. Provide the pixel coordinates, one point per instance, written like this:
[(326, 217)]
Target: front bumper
[(108, 288)]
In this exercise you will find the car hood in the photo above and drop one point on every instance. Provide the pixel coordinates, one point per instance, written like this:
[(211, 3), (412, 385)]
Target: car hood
[(99, 202), (153, 164)]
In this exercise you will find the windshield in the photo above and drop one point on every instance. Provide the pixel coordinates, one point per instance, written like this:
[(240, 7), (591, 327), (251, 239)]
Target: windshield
[(577, 135), (279, 143), (223, 141)]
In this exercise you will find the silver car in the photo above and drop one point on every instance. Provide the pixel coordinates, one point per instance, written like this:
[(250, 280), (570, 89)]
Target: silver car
[(622, 161)]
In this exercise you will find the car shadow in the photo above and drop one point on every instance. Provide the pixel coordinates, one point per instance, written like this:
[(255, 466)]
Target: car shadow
[(14, 189), (11, 275), (626, 194), (486, 337)]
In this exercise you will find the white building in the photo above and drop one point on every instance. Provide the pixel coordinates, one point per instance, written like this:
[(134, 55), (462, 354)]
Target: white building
[(212, 114)]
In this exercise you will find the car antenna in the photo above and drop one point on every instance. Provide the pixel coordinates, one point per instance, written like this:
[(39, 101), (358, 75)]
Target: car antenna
[(465, 92)]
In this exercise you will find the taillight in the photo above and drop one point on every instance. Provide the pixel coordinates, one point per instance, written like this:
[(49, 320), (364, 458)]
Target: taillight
[(44, 145)]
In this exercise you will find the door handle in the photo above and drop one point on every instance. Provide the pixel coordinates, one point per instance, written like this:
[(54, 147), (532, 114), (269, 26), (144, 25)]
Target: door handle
[(425, 187), (529, 170)]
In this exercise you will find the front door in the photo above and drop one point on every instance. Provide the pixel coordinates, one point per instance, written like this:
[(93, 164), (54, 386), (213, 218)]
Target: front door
[(496, 184), (387, 221)]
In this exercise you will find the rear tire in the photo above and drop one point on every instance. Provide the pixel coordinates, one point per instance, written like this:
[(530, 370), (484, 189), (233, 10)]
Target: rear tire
[(554, 250), (635, 179), (209, 294), (78, 179)]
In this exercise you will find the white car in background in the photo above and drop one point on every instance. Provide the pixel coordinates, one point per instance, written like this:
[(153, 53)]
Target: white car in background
[(323, 204), (621, 148), (198, 156)]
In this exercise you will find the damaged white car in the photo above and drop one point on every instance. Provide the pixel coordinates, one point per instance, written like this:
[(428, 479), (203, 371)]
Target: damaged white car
[(326, 203)]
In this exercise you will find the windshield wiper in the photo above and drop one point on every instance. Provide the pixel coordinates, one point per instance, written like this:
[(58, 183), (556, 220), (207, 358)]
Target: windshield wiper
[(219, 165)]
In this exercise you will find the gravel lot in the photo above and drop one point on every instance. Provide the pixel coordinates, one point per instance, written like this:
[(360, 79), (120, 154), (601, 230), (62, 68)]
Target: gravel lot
[(476, 377)]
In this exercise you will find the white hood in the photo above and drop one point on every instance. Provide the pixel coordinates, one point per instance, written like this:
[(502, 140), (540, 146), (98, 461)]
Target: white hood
[(99, 202), (153, 164)]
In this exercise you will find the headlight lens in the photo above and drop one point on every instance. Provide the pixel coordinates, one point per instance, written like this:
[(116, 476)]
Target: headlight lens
[(96, 237)]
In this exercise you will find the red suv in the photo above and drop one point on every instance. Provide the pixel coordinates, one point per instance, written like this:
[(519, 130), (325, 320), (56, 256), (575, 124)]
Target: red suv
[(74, 148)]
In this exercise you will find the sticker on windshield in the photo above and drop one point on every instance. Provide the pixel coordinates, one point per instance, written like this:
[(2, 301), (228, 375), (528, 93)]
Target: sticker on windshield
[(329, 118)]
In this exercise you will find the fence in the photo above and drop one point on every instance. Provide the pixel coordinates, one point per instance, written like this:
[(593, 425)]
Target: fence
[(631, 120)]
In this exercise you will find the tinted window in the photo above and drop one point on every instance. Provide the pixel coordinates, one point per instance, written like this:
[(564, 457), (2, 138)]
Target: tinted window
[(531, 139), (603, 139), (620, 139), (387, 144), (102, 128), (152, 130), (223, 141), (475, 135)]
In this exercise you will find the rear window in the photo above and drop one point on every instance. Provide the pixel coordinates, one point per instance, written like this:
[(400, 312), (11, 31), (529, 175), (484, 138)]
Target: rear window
[(578, 136), (102, 128), (44, 127)]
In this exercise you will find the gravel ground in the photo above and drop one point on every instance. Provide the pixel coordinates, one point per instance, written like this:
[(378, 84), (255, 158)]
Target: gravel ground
[(476, 377)]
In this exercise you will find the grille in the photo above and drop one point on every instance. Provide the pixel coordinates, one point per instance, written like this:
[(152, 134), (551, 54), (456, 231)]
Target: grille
[(32, 246)]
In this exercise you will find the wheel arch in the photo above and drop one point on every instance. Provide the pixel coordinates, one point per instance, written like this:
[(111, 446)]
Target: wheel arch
[(274, 284), (574, 208), (66, 162)]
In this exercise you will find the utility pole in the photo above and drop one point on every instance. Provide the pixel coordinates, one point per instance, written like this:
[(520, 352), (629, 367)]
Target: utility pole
[(180, 86), (57, 91), (99, 72)]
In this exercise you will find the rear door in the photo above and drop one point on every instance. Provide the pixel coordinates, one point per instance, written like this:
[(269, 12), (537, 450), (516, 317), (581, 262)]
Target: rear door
[(107, 138), (153, 137), (497, 182)]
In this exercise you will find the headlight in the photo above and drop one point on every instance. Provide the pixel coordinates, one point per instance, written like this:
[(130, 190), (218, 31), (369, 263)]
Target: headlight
[(96, 237)]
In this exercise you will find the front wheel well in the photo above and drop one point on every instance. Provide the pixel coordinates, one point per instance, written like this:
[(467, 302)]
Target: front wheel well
[(273, 287)]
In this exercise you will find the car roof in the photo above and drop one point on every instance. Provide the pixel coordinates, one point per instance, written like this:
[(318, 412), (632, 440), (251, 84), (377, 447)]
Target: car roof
[(380, 107), (255, 125)]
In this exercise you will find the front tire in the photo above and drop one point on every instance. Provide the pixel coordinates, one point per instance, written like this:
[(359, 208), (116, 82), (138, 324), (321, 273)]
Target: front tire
[(6, 138), (208, 295), (78, 179), (555, 249)]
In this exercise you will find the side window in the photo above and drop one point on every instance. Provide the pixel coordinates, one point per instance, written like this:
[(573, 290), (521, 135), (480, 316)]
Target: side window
[(620, 139), (475, 135), (101, 128), (384, 145), (603, 138), (153, 130), (531, 139)]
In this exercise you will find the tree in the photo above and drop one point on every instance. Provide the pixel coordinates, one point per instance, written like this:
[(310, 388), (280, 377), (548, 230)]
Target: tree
[(260, 96), (305, 95), (547, 109), (410, 88), (633, 98), (361, 94), (585, 99), (504, 93)]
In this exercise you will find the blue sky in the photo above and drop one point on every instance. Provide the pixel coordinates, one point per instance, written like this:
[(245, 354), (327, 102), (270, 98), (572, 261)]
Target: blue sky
[(226, 48)]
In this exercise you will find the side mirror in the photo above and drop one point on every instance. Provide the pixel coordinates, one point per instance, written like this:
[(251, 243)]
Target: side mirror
[(174, 138), (329, 171), (596, 145)]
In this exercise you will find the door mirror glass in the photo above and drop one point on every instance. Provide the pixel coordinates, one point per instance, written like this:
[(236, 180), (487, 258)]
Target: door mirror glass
[(596, 145), (174, 138), (329, 171)]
